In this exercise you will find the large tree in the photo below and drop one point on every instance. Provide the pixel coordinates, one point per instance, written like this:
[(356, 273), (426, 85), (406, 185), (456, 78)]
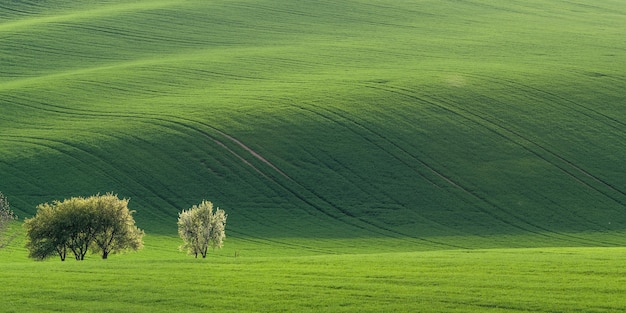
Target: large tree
[(100, 223), (6, 216), (200, 228)]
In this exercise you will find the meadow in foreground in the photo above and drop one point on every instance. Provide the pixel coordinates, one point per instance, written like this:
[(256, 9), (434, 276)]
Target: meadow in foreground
[(159, 279)]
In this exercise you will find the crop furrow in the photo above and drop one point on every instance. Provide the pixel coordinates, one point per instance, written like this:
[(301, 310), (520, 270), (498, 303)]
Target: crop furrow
[(295, 193), (15, 11), (110, 172), (433, 170), (409, 166), (539, 230), (526, 144), (542, 152), (82, 112), (328, 203), (595, 115), (407, 213), (273, 243), (254, 153), (298, 195), (20, 173), (135, 36), (544, 95), (336, 119)]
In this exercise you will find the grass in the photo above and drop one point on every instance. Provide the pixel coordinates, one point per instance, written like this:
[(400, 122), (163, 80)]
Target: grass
[(372, 155), (161, 280)]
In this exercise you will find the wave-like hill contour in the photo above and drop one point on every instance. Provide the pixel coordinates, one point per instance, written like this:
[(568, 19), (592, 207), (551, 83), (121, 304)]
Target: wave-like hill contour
[(439, 123)]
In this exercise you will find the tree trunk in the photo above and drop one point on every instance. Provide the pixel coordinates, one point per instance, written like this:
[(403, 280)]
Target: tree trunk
[(62, 253)]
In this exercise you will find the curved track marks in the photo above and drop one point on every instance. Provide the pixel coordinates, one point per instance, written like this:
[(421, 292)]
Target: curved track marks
[(512, 219), (503, 219), (307, 196)]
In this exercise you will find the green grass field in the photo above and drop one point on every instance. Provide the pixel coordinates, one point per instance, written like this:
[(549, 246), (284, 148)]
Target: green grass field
[(160, 280), (372, 155)]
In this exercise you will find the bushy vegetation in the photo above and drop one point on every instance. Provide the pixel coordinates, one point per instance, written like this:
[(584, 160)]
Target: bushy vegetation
[(103, 224), (200, 228)]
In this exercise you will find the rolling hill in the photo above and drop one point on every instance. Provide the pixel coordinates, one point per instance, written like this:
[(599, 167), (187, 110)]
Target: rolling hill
[(436, 124)]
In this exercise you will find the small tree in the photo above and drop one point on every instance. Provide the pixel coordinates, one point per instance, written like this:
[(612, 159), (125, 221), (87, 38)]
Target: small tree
[(61, 226), (116, 227), (6, 216), (79, 224), (45, 233), (200, 227)]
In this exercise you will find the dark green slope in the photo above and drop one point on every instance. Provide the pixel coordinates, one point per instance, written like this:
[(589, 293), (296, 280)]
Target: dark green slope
[(445, 123)]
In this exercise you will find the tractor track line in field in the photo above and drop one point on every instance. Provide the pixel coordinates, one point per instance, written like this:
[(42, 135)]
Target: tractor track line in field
[(621, 127), (120, 178), (344, 212), (387, 198), (316, 195), (392, 155), (485, 124), (22, 174), (580, 107), (75, 14), (493, 127), (254, 153), (79, 112), (177, 121), (441, 175), (568, 174), (526, 143), (446, 179), (273, 242), (541, 230)]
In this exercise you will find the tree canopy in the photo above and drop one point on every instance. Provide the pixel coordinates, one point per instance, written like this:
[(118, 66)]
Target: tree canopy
[(201, 227), (102, 224)]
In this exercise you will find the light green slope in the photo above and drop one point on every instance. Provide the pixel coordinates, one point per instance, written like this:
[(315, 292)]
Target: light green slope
[(444, 123)]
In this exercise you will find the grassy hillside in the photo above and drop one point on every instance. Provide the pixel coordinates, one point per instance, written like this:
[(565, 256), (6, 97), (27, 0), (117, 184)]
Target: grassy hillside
[(441, 123)]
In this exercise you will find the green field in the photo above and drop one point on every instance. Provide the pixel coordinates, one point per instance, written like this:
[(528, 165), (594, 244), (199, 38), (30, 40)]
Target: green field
[(397, 155), (160, 280)]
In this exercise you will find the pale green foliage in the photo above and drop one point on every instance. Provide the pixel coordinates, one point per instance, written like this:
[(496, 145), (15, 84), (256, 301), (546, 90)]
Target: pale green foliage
[(6, 216), (218, 225), (188, 232), (116, 227), (200, 227), (44, 232), (102, 223)]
